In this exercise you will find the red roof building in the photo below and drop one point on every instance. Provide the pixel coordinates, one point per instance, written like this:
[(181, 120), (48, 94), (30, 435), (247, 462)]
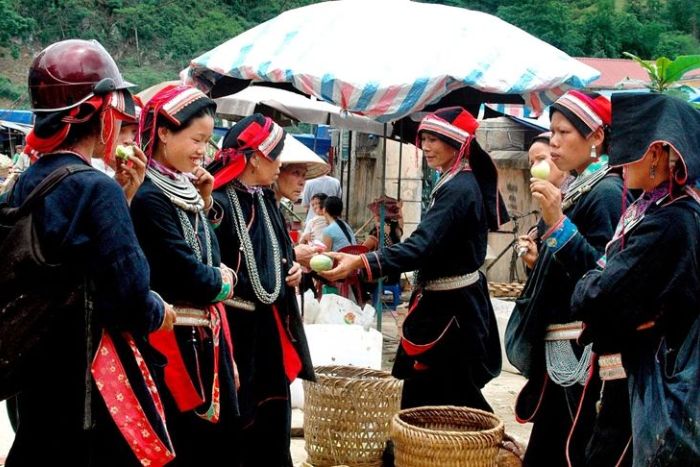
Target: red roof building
[(622, 73)]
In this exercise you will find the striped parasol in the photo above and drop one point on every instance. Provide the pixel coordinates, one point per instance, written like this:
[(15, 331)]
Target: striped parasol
[(388, 59)]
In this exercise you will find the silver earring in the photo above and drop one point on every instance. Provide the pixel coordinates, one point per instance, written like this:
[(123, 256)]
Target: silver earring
[(594, 153), (652, 172)]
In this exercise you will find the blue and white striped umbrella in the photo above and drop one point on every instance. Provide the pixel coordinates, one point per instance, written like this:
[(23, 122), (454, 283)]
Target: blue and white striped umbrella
[(389, 58)]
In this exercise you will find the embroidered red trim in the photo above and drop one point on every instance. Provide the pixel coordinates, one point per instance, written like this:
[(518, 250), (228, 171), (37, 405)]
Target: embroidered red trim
[(124, 406)]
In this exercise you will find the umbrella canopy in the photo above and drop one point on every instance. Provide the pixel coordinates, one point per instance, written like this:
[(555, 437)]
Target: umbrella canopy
[(389, 59), (295, 106)]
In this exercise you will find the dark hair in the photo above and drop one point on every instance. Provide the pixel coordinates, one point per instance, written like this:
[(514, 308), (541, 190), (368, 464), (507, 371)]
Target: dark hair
[(333, 206), (81, 131), (320, 196), (163, 121), (541, 138)]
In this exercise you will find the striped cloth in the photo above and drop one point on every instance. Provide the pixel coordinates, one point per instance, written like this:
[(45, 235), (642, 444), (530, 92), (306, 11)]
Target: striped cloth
[(387, 59)]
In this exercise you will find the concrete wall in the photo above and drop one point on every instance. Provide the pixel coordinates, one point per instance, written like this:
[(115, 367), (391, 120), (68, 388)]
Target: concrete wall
[(366, 169)]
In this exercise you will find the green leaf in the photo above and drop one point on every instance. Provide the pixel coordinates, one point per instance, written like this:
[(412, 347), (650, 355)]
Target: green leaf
[(648, 65), (662, 64), (680, 66)]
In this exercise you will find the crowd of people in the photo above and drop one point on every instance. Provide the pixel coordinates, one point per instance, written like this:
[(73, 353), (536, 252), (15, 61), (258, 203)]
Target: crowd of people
[(186, 334)]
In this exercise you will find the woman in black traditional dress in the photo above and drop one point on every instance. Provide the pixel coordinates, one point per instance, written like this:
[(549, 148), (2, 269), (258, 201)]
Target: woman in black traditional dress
[(270, 345), (644, 300), (562, 389), (450, 347), (170, 216), (90, 400)]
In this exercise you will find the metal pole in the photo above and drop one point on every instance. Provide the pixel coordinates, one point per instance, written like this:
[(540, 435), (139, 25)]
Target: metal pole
[(340, 154), (347, 192), (381, 238), (398, 188)]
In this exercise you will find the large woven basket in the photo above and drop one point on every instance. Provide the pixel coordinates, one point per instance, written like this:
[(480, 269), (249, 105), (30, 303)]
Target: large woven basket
[(347, 415), (446, 436), (506, 289)]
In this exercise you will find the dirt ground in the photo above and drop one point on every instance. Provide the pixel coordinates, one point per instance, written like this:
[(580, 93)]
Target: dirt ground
[(501, 392)]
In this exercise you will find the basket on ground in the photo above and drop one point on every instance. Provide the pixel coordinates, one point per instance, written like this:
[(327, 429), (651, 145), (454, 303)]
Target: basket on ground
[(446, 436), (347, 415)]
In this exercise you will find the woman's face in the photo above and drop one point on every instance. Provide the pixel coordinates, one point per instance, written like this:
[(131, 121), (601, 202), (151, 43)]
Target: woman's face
[(290, 183), (638, 174), (570, 150), (266, 171), (127, 135), (438, 154), (184, 151), (540, 151)]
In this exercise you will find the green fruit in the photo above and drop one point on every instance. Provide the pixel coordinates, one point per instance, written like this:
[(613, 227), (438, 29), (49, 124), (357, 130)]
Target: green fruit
[(124, 152), (321, 263), (540, 170)]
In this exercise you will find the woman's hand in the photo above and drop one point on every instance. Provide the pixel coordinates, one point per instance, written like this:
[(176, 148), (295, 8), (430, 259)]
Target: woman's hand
[(130, 174), (204, 184), (345, 265), (169, 317), (304, 253), (528, 245), (549, 198), (294, 275)]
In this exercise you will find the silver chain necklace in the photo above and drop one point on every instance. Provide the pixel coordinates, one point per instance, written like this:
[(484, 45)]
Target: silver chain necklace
[(241, 228), (182, 193), (190, 233)]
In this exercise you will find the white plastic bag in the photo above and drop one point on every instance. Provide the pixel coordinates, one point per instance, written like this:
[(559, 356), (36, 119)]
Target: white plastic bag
[(311, 307), (335, 309)]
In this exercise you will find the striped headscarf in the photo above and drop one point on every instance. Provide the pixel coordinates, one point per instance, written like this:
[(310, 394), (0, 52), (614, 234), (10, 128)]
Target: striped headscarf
[(587, 111)]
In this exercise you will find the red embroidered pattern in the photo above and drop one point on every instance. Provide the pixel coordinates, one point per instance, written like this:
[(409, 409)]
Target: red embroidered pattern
[(124, 407)]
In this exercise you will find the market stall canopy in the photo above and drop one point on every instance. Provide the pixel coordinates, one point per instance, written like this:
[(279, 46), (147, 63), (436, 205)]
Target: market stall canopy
[(294, 106), (388, 59)]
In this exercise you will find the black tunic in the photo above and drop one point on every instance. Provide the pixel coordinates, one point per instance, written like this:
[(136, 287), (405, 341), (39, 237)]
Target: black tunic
[(449, 241), (655, 277), (264, 392), (84, 222), (546, 300), (182, 278)]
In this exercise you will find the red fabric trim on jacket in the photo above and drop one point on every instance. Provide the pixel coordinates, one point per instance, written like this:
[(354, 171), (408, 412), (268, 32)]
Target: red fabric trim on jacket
[(292, 362)]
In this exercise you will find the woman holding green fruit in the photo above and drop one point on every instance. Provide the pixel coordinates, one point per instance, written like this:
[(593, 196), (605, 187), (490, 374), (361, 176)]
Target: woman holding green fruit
[(539, 156), (563, 384), (128, 163), (450, 346)]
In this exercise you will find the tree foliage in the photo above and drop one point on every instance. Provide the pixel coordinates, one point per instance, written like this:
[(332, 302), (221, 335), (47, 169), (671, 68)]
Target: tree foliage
[(155, 38)]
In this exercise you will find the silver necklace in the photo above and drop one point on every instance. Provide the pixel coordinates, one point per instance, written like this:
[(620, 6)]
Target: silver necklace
[(182, 193), (241, 228), (191, 237), (180, 190)]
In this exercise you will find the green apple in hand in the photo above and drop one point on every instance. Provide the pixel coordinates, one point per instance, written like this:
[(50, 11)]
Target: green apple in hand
[(320, 263), (124, 152), (540, 170)]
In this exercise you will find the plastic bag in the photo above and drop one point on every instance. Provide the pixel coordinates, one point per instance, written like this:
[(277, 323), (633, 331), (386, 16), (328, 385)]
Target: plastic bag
[(311, 307), (337, 310)]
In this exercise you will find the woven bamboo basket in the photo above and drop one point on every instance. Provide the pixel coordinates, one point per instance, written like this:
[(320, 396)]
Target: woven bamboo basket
[(506, 289), (446, 436), (347, 415)]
